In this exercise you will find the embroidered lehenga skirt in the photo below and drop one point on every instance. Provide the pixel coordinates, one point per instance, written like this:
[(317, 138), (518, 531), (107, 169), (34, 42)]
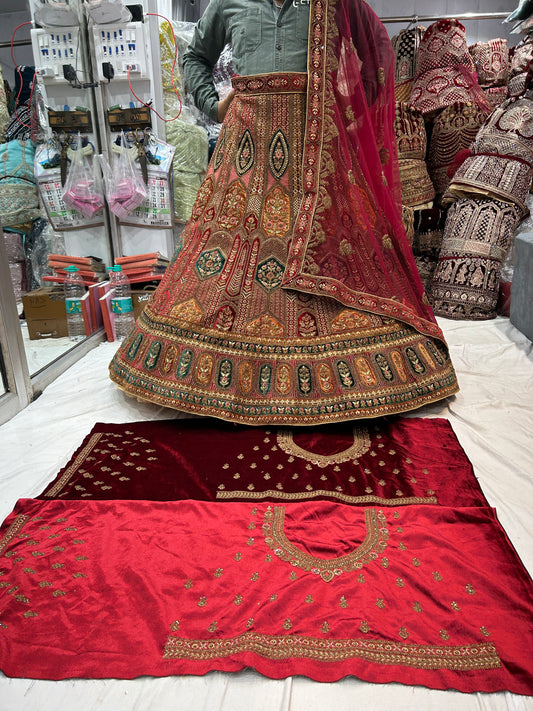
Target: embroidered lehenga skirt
[(220, 337)]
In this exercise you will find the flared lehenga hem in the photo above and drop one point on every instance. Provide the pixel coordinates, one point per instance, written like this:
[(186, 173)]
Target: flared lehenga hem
[(298, 384), (222, 337)]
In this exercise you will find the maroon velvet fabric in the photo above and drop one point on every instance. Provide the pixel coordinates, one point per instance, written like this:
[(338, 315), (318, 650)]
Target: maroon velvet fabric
[(390, 461)]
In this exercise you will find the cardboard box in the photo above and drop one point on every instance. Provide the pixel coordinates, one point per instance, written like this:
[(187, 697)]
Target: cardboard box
[(45, 312), (140, 299)]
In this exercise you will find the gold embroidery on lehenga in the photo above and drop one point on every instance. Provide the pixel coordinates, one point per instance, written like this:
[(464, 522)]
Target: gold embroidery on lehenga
[(361, 445), (372, 546)]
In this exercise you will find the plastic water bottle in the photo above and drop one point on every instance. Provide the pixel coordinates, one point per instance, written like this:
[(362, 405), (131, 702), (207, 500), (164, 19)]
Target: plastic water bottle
[(121, 303), (74, 289)]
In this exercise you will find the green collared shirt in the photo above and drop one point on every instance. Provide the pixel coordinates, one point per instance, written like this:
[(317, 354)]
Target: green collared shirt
[(263, 38)]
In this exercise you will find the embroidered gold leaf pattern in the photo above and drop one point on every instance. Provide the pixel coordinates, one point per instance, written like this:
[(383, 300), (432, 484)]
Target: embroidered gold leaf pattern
[(417, 607), (416, 562), (484, 631), (273, 597), (237, 557), (238, 600), (364, 627), (218, 572), (400, 583), (374, 543), (343, 602), (188, 584), (29, 614), (403, 633), (212, 627), (361, 445), (470, 589), (437, 576), (309, 599), (287, 625), (361, 578), (444, 635), (174, 627), (325, 628), (380, 602), (202, 602), (455, 606), (255, 577)]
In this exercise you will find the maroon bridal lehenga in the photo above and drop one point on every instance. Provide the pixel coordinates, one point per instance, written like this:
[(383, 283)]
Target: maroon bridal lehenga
[(295, 298)]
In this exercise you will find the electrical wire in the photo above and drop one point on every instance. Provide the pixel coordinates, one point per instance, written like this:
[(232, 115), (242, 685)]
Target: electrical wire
[(155, 14), (20, 76)]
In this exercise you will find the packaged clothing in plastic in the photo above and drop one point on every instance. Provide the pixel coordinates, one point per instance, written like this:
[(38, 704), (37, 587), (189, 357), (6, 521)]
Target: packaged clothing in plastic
[(83, 187), (124, 185)]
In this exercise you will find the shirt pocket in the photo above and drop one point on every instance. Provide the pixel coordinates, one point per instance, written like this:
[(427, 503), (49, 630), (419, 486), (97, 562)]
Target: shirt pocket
[(246, 32)]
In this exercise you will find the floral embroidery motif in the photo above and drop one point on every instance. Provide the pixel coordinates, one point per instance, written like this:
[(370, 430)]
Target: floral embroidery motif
[(245, 157), (210, 263), (269, 274), (204, 368), (276, 213), (278, 155), (202, 198), (152, 356), (232, 207), (187, 312)]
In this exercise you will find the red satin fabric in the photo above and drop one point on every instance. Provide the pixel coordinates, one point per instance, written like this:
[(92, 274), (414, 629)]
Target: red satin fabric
[(436, 596), (396, 461)]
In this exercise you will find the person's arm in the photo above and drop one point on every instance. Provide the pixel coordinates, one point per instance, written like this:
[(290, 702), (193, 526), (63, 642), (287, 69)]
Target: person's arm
[(202, 54)]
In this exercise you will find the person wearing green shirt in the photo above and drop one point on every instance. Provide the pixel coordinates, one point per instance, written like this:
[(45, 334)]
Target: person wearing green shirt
[(265, 36)]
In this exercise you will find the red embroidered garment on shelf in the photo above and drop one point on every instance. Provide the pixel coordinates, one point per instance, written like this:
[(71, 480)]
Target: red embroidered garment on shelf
[(418, 594), (385, 462)]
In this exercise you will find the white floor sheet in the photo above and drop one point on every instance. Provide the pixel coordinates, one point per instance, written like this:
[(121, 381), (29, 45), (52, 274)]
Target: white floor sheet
[(493, 418)]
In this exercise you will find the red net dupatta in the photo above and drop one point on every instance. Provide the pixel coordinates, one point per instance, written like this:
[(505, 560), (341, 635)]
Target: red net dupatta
[(349, 242)]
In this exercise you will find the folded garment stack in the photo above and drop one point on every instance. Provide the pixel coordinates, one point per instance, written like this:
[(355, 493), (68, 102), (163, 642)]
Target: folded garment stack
[(491, 187), (417, 189), (406, 44), (492, 65)]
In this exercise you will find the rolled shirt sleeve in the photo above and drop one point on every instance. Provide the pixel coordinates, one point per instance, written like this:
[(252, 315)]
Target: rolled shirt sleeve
[(202, 54)]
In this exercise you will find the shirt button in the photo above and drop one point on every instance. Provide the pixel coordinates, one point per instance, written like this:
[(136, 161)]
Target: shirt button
[(279, 23), (278, 47)]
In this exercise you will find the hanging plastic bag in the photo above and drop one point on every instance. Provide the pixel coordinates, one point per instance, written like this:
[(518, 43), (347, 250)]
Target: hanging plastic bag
[(124, 186), (83, 187)]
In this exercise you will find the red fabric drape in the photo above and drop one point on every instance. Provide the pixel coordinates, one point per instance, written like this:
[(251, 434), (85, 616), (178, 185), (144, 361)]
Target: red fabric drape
[(349, 241), (421, 594)]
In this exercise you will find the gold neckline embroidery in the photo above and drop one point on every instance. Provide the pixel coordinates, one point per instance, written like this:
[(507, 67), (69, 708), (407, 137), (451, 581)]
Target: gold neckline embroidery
[(361, 445), (373, 545)]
